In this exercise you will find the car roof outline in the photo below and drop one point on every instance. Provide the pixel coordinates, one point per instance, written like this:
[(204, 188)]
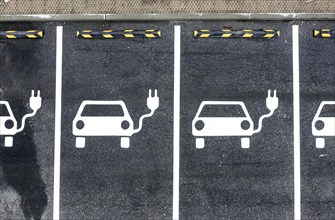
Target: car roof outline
[(318, 112), (102, 102), (9, 109), (203, 103)]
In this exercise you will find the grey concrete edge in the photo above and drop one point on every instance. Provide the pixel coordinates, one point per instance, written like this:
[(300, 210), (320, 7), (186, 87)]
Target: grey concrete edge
[(170, 17), (223, 16), (53, 17)]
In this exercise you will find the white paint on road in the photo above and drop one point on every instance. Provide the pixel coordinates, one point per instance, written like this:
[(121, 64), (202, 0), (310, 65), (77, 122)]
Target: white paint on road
[(176, 124), (296, 122), (58, 117)]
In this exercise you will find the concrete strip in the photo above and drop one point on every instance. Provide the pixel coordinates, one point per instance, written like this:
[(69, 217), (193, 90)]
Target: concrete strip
[(53, 17), (159, 17), (155, 17), (292, 16), (222, 16)]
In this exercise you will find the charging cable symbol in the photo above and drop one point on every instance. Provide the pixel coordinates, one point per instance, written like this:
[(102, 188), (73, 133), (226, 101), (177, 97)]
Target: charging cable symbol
[(8, 123)]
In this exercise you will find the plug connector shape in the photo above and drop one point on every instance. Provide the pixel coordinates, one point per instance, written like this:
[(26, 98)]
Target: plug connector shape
[(272, 101), (152, 101), (35, 102)]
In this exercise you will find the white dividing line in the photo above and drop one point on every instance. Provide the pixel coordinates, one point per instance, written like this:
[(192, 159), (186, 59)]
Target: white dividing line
[(58, 114), (296, 123), (176, 123)]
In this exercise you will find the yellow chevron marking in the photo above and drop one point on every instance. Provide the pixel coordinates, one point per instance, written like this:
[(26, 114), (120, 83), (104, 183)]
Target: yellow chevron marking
[(204, 30), (204, 35), (32, 31), (149, 30), (278, 33), (107, 36), (247, 35), (10, 31), (31, 36), (87, 30), (326, 30), (269, 35), (128, 35), (316, 32), (108, 31), (226, 30), (128, 30), (159, 33), (325, 35), (40, 33), (78, 33), (10, 36), (86, 36), (195, 33), (150, 35), (226, 35)]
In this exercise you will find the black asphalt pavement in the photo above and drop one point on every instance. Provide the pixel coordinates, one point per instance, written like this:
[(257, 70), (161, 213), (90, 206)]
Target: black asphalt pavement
[(26, 169), (220, 181), (223, 180), (103, 180), (317, 80)]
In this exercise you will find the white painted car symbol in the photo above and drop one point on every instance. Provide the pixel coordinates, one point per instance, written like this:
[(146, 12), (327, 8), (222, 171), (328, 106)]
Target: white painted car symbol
[(115, 120), (228, 118), (8, 123), (323, 124)]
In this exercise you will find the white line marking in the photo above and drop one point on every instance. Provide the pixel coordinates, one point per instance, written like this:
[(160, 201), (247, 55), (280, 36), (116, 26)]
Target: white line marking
[(58, 116), (296, 123), (176, 123)]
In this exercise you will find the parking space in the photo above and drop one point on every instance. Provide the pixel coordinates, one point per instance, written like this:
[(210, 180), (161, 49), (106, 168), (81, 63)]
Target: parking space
[(224, 93), (317, 85), (27, 123), (121, 167), (118, 114)]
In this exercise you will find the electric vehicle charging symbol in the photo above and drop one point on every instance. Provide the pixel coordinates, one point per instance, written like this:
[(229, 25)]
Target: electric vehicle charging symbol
[(209, 123), (323, 124), (8, 123), (118, 122)]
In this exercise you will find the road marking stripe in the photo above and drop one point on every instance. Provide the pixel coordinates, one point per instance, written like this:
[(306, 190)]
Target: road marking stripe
[(58, 115), (296, 123), (176, 124)]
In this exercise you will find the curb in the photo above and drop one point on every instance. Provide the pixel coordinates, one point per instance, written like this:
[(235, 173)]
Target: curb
[(169, 17)]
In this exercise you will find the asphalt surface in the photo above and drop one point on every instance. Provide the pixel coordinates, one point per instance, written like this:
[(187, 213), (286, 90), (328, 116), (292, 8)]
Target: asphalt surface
[(317, 84), (222, 180), (26, 169), (104, 180)]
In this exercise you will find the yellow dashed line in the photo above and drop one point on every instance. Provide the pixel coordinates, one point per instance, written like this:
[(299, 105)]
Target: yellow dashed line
[(107, 36), (247, 35), (226, 35), (86, 36), (10, 36)]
